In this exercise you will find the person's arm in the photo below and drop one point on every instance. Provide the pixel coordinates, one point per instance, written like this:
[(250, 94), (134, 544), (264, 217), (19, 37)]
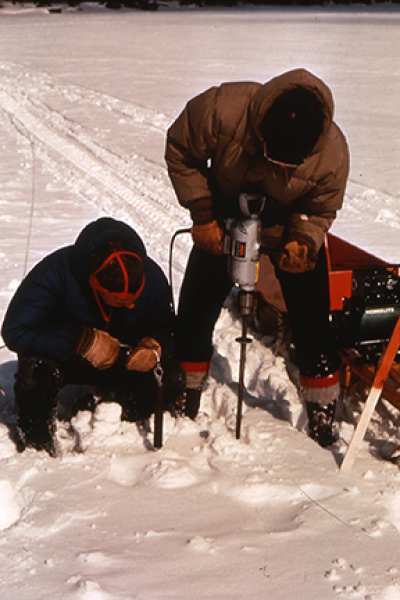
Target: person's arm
[(35, 323), (315, 214), (191, 141)]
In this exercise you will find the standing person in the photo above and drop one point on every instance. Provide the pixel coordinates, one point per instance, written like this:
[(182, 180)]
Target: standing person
[(97, 312), (276, 139)]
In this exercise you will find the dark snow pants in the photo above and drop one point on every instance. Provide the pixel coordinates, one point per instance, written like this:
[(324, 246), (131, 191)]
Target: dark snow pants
[(38, 381), (206, 285)]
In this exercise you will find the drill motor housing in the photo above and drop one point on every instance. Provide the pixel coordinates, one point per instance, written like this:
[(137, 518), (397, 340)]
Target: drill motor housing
[(242, 245)]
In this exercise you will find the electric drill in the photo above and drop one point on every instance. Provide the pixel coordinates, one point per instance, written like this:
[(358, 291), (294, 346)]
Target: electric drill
[(242, 245)]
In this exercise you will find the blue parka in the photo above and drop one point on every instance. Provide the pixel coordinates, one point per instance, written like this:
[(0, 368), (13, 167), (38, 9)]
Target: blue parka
[(54, 302)]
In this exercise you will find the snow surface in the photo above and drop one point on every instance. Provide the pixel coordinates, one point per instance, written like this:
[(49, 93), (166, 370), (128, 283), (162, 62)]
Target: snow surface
[(85, 99)]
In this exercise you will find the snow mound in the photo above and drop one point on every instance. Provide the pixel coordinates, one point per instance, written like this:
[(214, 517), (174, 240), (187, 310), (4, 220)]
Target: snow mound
[(11, 508), (126, 470), (7, 447), (87, 589), (390, 593), (393, 508), (100, 429)]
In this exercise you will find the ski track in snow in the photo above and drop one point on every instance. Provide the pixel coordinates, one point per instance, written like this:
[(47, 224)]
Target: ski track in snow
[(382, 207), (132, 188)]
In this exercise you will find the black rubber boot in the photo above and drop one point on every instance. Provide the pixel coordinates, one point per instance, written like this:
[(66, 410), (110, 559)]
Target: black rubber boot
[(188, 403), (87, 402), (137, 407), (37, 383), (137, 398), (320, 423), (174, 384)]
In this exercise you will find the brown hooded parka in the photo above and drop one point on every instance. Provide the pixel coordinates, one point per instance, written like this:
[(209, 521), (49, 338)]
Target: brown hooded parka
[(215, 151)]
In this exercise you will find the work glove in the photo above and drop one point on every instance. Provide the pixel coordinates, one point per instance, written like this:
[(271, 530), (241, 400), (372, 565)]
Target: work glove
[(99, 348), (208, 237), (295, 258), (144, 356)]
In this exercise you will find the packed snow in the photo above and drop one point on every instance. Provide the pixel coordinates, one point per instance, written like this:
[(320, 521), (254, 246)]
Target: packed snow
[(85, 100)]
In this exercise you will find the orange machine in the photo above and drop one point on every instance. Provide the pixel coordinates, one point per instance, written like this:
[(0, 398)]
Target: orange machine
[(365, 304)]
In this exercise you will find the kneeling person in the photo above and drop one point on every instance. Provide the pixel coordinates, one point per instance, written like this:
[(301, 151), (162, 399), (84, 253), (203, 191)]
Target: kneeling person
[(97, 312)]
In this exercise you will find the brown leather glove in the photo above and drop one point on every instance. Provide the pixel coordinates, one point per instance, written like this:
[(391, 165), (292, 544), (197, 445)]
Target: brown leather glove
[(295, 258), (208, 237), (145, 356), (99, 348)]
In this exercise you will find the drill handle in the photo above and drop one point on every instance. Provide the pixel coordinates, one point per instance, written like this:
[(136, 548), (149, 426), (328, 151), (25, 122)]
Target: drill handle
[(251, 205)]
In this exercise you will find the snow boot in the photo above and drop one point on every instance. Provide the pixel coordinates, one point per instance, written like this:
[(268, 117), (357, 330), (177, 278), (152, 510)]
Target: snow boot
[(174, 384), (137, 397), (188, 403), (321, 423), (86, 402), (137, 408), (320, 389), (37, 384)]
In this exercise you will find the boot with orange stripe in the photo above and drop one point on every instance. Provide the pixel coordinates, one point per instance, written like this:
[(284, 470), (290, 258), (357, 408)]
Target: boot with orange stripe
[(320, 395), (188, 403)]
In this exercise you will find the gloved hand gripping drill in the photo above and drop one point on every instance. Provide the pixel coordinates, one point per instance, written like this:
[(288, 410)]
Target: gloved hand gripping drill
[(242, 245)]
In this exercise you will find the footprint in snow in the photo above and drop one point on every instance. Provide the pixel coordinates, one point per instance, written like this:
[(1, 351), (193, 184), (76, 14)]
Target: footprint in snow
[(340, 570), (170, 474), (202, 544), (95, 558), (87, 589), (352, 591), (377, 528), (255, 492), (64, 521)]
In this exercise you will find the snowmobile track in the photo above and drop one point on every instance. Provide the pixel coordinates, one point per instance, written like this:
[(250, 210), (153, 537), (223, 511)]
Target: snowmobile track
[(134, 189)]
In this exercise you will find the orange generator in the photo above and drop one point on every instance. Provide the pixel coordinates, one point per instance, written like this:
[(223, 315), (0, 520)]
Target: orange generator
[(365, 306)]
